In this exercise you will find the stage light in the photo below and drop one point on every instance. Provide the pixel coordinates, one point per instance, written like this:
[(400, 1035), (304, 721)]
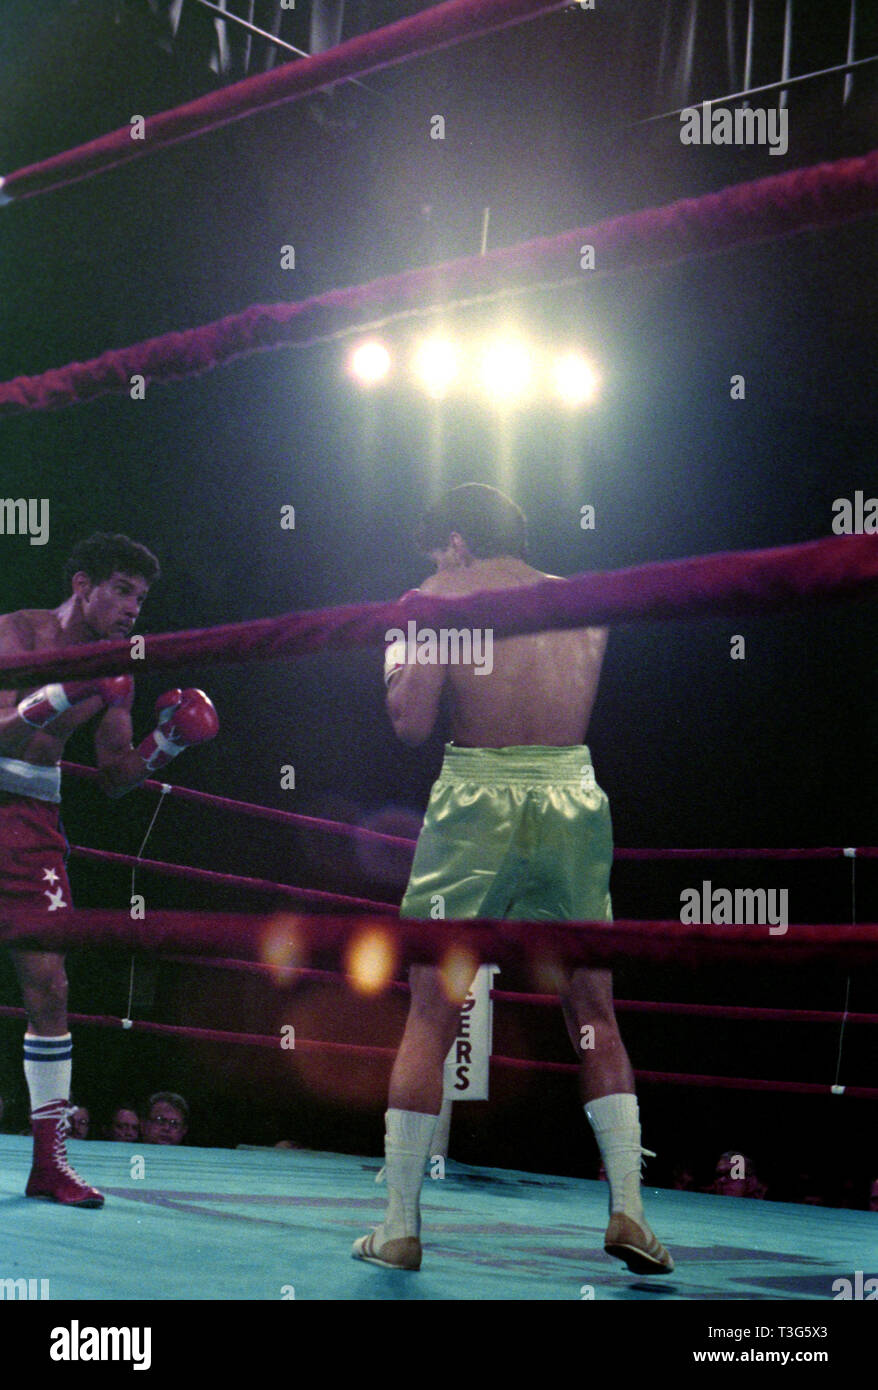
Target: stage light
[(576, 381), (506, 372), (369, 363), (436, 365)]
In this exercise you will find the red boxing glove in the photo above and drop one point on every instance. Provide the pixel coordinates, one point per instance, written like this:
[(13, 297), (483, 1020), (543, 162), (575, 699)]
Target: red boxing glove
[(45, 705), (186, 717)]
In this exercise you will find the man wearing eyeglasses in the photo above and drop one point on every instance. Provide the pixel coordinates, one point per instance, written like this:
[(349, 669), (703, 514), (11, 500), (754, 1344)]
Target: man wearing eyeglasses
[(167, 1119)]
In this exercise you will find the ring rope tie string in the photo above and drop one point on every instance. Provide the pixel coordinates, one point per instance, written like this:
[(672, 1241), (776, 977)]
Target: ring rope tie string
[(837, 1088), (165, 788)]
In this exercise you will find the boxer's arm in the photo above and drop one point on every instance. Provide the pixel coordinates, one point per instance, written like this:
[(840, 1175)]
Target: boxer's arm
[(16, 640), (413, 701), (121, 768), (413, 691)]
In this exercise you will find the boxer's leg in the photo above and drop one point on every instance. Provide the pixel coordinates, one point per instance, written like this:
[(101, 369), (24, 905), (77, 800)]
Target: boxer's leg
[(33, 875), (457, 872), (571, 861)]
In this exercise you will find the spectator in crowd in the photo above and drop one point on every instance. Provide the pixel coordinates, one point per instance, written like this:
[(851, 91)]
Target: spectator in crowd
[(809, 1190), (124, 1126), (873, 1196), (80, 1122), (735, 1176), (683, 1177), (166, 1120)]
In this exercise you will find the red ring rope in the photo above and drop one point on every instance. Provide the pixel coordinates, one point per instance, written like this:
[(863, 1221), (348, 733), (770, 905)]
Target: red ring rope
[(272, 1041), (248, 808), (255, 885), (356, 832), (433, 29), (728, 583), (594, 943), (745, 213), (739, 1012)]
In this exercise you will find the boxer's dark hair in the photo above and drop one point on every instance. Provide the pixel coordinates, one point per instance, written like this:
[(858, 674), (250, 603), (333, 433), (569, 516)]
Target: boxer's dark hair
[(104, 554), (488, 520)]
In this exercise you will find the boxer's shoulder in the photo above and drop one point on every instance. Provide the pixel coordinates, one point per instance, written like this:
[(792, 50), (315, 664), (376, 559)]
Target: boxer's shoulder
[(439, 584), (29, 629)]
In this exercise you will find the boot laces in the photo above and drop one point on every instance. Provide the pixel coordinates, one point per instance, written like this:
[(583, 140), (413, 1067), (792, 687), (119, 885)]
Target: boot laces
[(62, 1115)]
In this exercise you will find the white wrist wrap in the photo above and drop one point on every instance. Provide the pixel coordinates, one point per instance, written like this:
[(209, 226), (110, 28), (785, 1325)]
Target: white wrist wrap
[(53, 696), (394, 659)]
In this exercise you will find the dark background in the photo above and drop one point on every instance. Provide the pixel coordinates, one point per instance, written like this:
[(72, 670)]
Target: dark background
[(544, 126)]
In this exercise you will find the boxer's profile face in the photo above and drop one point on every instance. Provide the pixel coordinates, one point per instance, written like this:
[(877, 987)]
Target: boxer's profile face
[(111, 607)]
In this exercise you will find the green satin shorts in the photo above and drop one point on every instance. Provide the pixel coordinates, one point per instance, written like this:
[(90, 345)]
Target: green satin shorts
[(519, 833)]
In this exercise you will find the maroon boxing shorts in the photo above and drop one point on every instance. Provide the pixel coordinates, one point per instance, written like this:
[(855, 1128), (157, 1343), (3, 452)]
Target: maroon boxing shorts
[(32, 854)]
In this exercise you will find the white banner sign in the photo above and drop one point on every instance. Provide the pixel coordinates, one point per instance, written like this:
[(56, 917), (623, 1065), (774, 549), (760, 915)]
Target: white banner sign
[(466, 1066)]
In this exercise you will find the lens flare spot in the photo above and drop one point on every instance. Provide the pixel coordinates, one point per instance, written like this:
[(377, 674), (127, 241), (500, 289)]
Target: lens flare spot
[(283, 947), (549, 975), (370, 960), (457, 970)]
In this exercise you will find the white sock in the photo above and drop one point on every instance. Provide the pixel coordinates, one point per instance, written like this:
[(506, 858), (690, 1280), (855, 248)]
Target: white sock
[(616, 1124), (408, 1137), (48, 1063)]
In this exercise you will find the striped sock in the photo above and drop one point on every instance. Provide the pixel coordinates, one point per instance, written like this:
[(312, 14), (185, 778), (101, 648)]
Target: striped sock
[(48, 1063)]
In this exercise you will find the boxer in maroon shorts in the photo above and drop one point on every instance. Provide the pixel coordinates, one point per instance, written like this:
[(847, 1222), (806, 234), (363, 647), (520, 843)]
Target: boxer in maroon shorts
[(109, 577)]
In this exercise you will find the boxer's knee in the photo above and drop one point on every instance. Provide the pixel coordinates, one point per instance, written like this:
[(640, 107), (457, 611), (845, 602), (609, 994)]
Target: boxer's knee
[(430, 1005), (589, 996), (44, 990)]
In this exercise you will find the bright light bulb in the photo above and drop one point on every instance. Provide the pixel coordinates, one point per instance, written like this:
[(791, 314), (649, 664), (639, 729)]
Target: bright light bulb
[(576, 381), (506, 370), (370, 363), (436, 365)]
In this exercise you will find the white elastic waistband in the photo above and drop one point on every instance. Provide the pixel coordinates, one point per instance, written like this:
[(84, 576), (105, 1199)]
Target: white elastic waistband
[(30, 779)]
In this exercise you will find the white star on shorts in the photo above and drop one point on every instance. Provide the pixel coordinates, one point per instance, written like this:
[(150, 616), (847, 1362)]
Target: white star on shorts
[(50, 875), (56, 899)]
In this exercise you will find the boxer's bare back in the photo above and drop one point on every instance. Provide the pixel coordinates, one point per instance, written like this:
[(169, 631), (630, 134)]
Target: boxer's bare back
[(541, 688)]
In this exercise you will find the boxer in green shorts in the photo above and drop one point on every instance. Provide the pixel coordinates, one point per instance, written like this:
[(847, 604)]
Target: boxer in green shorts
[(519, 833), (516, 828)]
